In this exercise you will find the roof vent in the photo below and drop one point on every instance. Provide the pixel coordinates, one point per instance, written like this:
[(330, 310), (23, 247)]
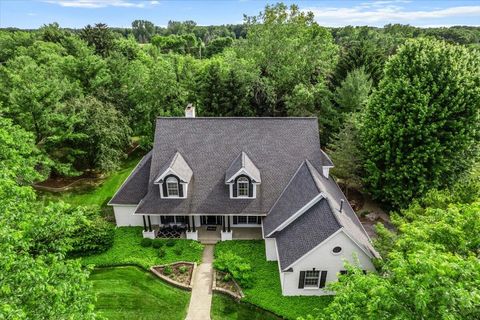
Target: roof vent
[(341, 204), (190, 111)]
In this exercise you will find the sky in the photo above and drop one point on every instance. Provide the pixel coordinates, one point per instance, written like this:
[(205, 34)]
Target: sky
[(120, 13)]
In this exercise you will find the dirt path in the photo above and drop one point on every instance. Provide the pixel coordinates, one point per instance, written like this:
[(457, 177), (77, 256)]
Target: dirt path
[(201, 299)]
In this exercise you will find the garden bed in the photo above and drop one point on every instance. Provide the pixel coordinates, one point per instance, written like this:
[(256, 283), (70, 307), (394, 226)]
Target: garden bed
[(179, 274), (224, 283)]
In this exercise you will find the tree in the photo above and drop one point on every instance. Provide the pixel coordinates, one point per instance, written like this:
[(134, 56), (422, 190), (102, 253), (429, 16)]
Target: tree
[(354, 91), (100, 37), (217, 45), (290, 49), (37, 281), (421, 126), (345, 152), (143, 30)]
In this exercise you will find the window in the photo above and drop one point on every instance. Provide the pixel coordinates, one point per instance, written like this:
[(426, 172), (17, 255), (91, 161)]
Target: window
[(241, 219), (311, 279), (252, 219), (242, 187), (172, 187), (337, 250)]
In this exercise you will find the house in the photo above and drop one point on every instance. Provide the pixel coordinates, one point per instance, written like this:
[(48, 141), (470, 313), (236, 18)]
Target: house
[(243, 178)]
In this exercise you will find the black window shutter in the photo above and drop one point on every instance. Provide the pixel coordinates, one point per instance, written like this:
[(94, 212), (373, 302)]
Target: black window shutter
[(250, 189), (259, 220), (164, 186), (235, 220), (180, 189), (234, 186), (323, 279), (301, 281)]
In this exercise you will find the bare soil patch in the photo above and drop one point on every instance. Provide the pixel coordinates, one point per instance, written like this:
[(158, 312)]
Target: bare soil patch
[(180, 272), (225, 281)]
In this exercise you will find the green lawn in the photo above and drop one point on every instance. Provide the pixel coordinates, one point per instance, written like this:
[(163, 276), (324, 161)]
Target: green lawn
[(226, 308), (127, 250), (266, 292), (99, 195), (131, 293)]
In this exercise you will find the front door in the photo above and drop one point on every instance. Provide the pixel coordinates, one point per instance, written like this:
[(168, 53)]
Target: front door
[(211, 220)]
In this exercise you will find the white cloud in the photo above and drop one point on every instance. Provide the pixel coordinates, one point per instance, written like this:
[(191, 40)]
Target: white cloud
[(102, 3), (382, 12)]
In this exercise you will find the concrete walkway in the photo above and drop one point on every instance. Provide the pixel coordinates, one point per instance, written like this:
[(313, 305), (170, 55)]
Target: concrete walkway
[(201, 298)]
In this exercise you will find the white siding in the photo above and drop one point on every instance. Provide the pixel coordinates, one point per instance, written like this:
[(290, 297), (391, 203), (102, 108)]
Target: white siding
[(124, 216), (322, 258), (271, 249)]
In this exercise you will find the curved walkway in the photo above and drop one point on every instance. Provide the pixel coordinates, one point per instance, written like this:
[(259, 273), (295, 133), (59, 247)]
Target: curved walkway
[(201, 298)]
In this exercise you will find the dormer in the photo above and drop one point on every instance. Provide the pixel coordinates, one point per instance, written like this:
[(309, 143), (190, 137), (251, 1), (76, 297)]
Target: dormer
[(174, 178), (242, 177), (327, 164)]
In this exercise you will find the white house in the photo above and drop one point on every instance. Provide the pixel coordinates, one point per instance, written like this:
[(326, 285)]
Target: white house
[(212, 179)]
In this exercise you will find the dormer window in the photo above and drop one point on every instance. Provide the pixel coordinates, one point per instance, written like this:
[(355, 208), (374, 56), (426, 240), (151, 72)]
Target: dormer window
[(242, 178), (172, 187), (243, 186), (174, 178)]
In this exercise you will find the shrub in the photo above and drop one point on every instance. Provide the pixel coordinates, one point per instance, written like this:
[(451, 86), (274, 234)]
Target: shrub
[(170, 243), (167, 270), (178, 251), (227, 277), (239, 269), (183, 269), (161, 253), (146, 242), (92, 235), (157, 243)]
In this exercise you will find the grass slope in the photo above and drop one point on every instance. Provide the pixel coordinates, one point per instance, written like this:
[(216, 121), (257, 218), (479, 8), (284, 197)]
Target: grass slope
[(266, 291), (126, 249), (99, 195), (131, 293), (225, 308)]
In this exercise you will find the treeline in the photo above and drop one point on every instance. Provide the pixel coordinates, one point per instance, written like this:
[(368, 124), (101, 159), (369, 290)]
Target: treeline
[(397, 108)]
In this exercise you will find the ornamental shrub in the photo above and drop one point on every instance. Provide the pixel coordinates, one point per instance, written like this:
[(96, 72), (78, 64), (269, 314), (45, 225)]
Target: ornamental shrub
[(93, 234), (178, 251), (146, 242), (167, 270), (157, 243), (170, 243), (236, 266), (183, 269)]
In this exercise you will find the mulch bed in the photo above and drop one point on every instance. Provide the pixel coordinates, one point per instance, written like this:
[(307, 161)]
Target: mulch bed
[(227, 285), (176, 274)]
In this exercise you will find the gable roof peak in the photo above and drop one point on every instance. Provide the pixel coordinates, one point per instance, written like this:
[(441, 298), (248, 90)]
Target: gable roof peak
[(242, 164), (177, 166)]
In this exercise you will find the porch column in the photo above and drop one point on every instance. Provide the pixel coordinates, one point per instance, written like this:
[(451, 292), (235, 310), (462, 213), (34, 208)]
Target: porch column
[(188, 223), (193, 223), (149, 224), (228, 218), (144, 224), (223, 223)]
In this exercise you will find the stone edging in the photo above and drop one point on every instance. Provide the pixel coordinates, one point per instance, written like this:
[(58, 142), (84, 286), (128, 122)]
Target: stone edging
[(234, 295), (171, 281)]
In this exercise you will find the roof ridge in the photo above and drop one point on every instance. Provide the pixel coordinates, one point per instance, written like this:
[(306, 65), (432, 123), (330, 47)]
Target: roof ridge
[(234, 118)]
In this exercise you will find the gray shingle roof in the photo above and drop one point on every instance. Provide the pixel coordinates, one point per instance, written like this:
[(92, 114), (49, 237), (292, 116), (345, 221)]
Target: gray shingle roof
[(305, 233), (300, 190), (242, 161), (136, 186), (277, 146)]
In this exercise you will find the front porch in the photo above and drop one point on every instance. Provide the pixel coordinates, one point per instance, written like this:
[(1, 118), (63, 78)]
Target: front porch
[(203, 228)]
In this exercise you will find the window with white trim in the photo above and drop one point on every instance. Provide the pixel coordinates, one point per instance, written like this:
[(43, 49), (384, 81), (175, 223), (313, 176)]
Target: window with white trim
[(242, 187), (311, 279), (242, 219), (172, 187)]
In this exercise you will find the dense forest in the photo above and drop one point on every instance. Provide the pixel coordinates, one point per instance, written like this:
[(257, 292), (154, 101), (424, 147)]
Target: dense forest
[(397, 107)]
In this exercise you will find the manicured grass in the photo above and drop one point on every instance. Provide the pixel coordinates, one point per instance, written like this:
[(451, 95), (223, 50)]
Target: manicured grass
[(126, 249), (225, 308), (101, 194), (266, 291), (131, 293)]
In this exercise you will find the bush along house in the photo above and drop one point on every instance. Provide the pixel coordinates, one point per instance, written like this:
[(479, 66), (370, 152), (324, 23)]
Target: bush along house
[(217, 179)]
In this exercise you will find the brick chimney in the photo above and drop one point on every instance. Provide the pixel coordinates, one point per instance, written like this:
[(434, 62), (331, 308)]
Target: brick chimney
[(190, 111)]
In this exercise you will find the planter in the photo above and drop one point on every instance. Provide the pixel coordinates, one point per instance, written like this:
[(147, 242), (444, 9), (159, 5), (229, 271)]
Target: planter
[(230, 287), (177, 277)]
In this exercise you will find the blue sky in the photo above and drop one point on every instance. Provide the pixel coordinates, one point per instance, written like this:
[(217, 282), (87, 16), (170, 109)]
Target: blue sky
[(120, 13)]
